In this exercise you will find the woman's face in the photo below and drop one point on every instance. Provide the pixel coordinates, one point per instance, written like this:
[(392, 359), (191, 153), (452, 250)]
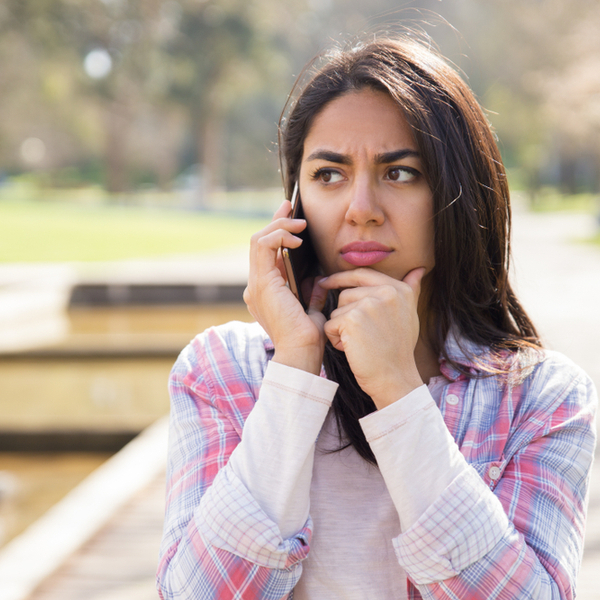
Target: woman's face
[(363, 190)]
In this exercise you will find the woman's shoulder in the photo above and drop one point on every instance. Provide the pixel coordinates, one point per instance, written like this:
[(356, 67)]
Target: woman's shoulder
[(235, 337), (548, 388), (541, 379), (554, 374), (528, 367), (234, 350), (542, 364)]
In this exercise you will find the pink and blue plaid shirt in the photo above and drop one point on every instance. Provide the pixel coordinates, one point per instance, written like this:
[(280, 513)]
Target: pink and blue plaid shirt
[(512, 527)]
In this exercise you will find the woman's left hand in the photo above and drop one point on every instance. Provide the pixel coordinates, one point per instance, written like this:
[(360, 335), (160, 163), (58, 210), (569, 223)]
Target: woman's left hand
[(376, 324)]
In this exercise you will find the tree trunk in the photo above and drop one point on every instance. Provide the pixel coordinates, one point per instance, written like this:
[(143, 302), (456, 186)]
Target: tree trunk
[(209, 146), (117, 125)]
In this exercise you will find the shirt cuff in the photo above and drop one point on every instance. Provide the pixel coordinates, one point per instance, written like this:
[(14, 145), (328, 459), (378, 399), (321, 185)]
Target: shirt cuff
[(463, 525), (229, 517), (301, 383), (382, 422)]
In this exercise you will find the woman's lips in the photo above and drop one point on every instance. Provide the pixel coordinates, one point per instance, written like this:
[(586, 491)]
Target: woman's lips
[(364, 254)]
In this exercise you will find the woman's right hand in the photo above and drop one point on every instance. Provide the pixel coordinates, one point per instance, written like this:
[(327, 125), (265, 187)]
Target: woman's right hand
[(298, 337)]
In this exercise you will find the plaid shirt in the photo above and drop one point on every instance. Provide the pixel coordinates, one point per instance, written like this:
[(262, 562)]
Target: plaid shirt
[(512, 527)]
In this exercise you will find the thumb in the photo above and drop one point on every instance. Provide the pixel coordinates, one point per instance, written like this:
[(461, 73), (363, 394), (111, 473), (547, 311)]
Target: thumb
[(413, 279), (284, 210), (318, 297)]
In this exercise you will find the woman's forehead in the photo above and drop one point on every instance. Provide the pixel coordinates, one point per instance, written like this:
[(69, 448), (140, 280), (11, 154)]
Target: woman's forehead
[(357, 122)]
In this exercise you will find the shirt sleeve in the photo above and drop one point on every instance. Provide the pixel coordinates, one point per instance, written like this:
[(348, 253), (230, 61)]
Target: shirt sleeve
[(515, 533), (410, 437), (219, 540), (274, 460)]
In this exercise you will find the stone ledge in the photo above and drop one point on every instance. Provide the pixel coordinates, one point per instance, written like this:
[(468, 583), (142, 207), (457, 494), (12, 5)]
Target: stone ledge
[(67, 440), (109, 294), (35, 554)]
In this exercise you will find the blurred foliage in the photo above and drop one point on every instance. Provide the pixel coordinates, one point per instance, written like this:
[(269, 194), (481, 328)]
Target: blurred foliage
[(183, 82), (549, 199)]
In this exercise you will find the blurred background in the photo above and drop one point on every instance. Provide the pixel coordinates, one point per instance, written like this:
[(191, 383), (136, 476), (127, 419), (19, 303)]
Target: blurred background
[(133, 102), (138, 153)]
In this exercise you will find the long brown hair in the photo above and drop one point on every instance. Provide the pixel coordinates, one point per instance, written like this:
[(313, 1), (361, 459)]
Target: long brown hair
[(469, 288)]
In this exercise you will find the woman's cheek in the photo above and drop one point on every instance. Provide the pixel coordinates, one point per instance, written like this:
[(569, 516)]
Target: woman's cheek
[(322, 238), (324, 254)]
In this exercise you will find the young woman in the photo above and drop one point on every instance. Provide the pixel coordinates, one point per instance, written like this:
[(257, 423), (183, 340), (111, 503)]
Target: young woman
[(440, 452)]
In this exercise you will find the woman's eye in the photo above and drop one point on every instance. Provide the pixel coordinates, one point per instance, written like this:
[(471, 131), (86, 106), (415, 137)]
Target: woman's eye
[(401, 174), (328, 176)]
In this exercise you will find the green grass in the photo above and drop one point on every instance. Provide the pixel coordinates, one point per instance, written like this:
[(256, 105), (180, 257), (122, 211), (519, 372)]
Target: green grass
[(595, 239), (34, 231)]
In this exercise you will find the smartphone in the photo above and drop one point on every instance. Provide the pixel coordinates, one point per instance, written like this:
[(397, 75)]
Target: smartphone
[(300, 263)]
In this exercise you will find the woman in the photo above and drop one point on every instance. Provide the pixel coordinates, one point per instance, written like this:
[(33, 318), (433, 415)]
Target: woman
[(440, 452)]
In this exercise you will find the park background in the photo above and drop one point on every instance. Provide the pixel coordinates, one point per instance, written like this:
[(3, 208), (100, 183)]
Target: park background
[(138, 147), (127, 102)]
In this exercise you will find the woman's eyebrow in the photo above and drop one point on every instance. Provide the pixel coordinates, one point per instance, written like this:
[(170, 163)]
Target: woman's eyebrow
[(394, 155), (380, 159), (329, 156)]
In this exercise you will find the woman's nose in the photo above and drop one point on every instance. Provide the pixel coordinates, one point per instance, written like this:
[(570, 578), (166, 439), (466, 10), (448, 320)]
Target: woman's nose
[(364, 207)]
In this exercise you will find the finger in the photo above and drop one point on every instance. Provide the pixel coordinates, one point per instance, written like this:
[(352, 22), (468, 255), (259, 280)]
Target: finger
[(268, 246), (356, 278), (332, 331), (318, 298), (413, 279), (284, 210), (258, 244), (362, 301), (265, 249), (340, 311), (279, 264), (276, 239), (291, 225), (280, 220), (355, 294), (281, 224)]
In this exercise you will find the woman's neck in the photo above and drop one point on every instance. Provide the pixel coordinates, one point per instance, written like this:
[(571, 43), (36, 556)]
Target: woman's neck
[(427, 360)]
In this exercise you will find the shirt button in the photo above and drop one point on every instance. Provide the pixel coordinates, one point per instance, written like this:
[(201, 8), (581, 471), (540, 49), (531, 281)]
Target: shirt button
[(452, 399), (494, 473)]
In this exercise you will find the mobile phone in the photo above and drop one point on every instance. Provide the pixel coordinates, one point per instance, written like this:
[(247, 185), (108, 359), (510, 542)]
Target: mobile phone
[(300, 263)]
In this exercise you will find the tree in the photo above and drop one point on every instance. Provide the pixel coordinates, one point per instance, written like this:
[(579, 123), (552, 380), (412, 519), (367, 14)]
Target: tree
[(555, 61)]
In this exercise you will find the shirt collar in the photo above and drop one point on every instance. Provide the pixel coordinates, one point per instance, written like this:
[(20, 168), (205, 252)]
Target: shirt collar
[(462, 351)]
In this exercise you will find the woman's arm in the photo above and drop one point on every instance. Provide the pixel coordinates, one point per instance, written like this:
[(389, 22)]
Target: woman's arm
[(237, 509), (275, 458), (519, 534), (225, 533)]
